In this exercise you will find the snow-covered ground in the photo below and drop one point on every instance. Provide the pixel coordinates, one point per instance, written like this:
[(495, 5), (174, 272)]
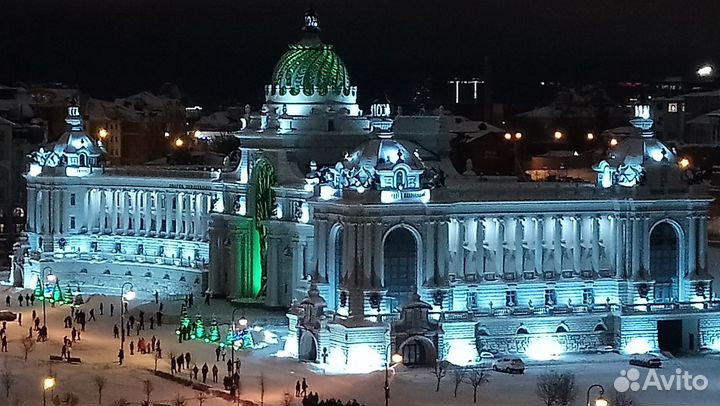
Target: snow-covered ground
[(98, 351)]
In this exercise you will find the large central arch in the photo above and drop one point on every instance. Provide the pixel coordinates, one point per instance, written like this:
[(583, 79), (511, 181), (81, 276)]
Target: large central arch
[(400, 262), (665, 260)]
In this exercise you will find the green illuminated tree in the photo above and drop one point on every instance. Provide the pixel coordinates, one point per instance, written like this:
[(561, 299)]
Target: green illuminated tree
[(57, 294), (38, 292), (68, 295), (199, 328), (214, 330), (265, 179)]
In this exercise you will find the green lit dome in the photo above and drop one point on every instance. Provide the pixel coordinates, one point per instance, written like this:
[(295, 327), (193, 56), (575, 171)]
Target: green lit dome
[(306, 66)]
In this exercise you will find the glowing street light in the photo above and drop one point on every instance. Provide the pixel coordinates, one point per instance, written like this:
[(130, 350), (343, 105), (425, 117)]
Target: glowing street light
[(167, 134), (590, 136), (129, 295), (508, 136), (51, 278), (243, 322), (558, 135), (48, 383), (197, 134), (600, 400), (103, 133), (613, 142), (705, 71), (684, 163), (518, 136), (179, 142)]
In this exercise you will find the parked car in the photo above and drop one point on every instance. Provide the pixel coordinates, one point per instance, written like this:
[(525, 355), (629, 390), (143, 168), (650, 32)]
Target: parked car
[(7, 315), (486, 354), (509, 365), (646, 361)]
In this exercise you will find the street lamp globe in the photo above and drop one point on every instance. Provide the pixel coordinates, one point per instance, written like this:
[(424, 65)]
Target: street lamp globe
[(558, 135), (508, 136), (51, 278), (179, 142), (601, 401), (518, 136), (396, 358), (684, 163), (103, 133), (243, 322), (130, 295), (48, 383)]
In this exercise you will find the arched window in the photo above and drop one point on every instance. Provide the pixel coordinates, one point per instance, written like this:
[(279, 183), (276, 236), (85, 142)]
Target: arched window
[(83, 160), (400, 179), (339, 256), (400, 262), (522, 330), (664, 260)]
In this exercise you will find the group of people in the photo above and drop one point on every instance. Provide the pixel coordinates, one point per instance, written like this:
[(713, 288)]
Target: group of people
[(29, 299), (313, 399)]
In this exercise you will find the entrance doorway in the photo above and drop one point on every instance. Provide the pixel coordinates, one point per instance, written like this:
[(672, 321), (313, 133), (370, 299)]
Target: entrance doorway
[(670, 335)]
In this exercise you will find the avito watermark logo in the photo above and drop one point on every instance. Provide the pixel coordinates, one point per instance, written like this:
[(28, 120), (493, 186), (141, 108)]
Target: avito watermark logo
[(680, 381)]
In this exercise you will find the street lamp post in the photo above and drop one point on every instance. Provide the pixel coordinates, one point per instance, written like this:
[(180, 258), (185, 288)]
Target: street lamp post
[(48, 383), (600, 400), (396, 358), (243, 323), (42, 284), (130, 296)]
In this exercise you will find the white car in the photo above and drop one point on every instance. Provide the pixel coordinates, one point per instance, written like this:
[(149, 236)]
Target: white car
[(607, 348), (486, 354), (509, 365)]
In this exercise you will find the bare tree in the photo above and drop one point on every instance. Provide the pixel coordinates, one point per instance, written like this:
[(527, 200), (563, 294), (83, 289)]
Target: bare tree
[(556, 388), (7, 379), (439, 371), (179, 400), (622, 399), (148, 388), (459, 376), (100, 382), (28, 346), (475, 377), (262, 388)]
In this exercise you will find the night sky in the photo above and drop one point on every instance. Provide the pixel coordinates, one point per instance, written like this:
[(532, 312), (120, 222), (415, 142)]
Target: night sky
[(220, 51)]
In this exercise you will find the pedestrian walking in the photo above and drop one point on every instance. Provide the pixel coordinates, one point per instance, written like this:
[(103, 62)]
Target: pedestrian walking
[(131, 319), (297, 389), (20, 319), (92, 314), (7, 301), (229, 367), (224, 353), (159, 350), (137, 329), (187, 359), (217, 354), (37, 323), (73, 334), (304, 387), (205, 370), (102, 307), (63, 352), (132, 347), (27, 299), (161, 307), (121, 356), (207, 299), (20, 299), (191, 299), (195, 371), (180, 362), (116, 332), (4, 344), (152, 322), (215, 373), (126, 307), (158, 317), (173, 364), (127, 328), (112, 309), (157, 297), (78, 335), (30, 332), (34, 314), (152, 342), (32, 299)]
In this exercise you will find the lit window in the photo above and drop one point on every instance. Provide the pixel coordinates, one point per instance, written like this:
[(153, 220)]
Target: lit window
[(2, 228), (19, 212), (672, 108), (510, 298)]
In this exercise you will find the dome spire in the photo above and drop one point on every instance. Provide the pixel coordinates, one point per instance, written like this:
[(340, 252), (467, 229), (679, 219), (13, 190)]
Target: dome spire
[(311, 21)]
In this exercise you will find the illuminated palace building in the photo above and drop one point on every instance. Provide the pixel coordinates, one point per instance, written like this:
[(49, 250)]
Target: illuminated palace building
[(362, 226)]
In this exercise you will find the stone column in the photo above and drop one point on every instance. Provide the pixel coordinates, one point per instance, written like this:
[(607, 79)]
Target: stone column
[(377, 255), (702, 245), (539, 243), (480, 246), (500, 247), (635, 248), (619, 246), (324, 245), (557, 243), (577, 248), (137, 210), (518, 246), (430, 251), (442, 250), (645, 235), (596, 243), (692, 244)]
